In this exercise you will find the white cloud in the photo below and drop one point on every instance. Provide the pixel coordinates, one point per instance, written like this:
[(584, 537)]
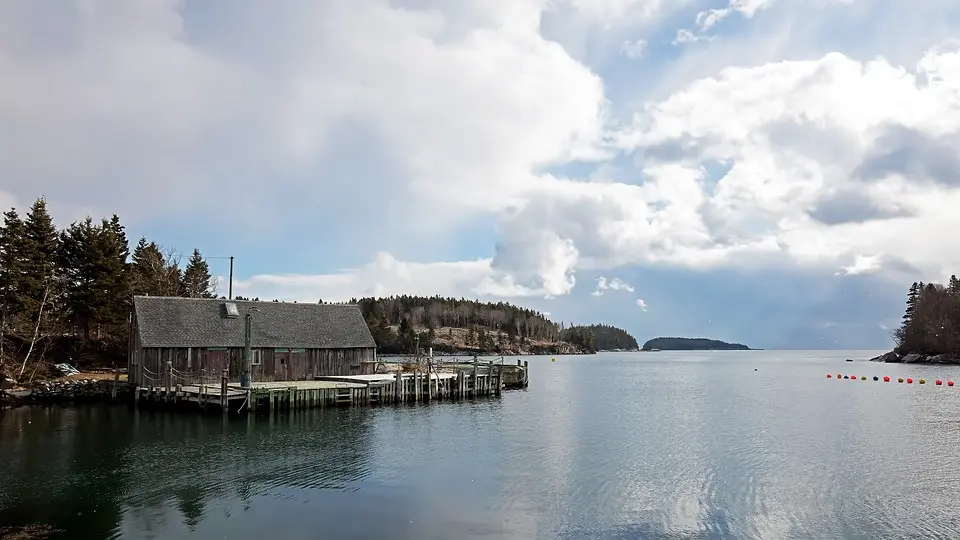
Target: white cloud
[(826, 159), (641, 304), (613, 284), (135, 112), (617, 11), (864, 264), (746, 8), (463, 106), (384, 276), (686, 36), (634, 49)]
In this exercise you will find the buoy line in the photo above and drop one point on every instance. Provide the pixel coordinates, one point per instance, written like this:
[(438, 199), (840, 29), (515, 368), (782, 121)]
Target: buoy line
[(885, 378)]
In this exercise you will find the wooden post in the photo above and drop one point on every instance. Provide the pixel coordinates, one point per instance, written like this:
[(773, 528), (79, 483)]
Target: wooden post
[(490, 378), (497, 389), (169, 370), (526, 373), (223, 390), (116, 383), (476, 371), (429, 381)]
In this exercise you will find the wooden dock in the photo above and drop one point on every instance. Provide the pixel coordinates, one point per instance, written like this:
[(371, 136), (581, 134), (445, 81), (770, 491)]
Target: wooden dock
[(449, 382)]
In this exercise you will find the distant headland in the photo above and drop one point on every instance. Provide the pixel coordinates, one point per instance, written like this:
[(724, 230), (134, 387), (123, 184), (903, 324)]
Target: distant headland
[(691, 344), (930, 332)]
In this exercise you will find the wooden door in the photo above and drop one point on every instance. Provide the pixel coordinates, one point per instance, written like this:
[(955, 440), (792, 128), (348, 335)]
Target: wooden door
[(281, 365)]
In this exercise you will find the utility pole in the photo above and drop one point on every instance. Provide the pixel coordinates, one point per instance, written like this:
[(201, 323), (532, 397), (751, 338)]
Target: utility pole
[(230, 293), (247, 364)]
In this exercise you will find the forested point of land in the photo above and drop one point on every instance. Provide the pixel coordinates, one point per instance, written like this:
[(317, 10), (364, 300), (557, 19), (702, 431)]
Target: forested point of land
[(691, 344), (611, 338), (930, 328), (400, 324), (66, 295)]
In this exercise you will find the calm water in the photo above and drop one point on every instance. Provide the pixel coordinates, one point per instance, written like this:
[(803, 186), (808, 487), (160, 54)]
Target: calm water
[(657, 445)]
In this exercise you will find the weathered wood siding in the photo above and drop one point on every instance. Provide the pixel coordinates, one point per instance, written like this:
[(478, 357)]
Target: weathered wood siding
[(205, 365)]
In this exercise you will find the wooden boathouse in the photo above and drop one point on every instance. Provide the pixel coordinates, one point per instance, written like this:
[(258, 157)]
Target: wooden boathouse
[(189, 353), (200, 341)]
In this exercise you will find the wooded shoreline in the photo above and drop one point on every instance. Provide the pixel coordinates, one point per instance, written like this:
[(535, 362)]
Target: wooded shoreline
[(66, 295), (930, 329)]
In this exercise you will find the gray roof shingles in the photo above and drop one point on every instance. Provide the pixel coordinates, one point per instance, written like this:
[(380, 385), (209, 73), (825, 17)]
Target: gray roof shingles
[(202, 322)]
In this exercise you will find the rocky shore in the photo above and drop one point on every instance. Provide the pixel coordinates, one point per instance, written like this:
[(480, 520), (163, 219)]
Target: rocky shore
[(894, 357), (62, 391)]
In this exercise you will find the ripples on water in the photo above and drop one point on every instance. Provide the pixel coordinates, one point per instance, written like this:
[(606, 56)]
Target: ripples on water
[(659, 446)]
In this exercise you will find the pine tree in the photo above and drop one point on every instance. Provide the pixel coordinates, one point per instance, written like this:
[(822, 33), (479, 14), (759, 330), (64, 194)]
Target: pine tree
[(953, 286), (37, 289), (913, 297), (93, 275), (472, 335), (197, 282), (115, 250), (12, 267), (11, 272), (79, 272), (153, 273)]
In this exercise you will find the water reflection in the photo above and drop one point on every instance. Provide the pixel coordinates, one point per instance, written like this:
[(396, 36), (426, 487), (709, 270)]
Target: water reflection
[(659, 446), (99, 471)]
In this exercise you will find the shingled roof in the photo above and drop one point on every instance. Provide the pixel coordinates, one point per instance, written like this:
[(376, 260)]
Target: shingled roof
[(202, 322)]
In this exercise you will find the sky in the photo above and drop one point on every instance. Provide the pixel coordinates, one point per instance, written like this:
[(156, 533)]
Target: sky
[(773, 172)]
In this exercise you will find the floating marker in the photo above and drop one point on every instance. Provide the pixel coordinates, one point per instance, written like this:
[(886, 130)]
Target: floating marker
[(938, 382), (886, 378), (864, 377), (829, 376), (909, 380), (922, 381), (900, 379), (553, 359), (838, 375), (949, 383), (846, 377), (876, 378)]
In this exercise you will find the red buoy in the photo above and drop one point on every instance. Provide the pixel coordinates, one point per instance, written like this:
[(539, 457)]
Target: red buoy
[(938, 382), (829, 376), (886, 378), (949, 383), (909, 380)]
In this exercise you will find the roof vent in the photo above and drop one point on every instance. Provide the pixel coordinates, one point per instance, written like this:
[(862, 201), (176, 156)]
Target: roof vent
[(232, 311)]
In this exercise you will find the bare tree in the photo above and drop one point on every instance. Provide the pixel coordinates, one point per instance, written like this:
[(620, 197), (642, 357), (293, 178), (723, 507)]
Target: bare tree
[(36, 328)]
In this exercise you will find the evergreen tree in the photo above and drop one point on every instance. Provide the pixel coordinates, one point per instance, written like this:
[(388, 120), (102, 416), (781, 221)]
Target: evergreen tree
[(115, 250), (93, 273), (953, 286), (37, 288), (913, 296), (11, 272), (197, 282), (472, 335), (153, 273), (12, 268)]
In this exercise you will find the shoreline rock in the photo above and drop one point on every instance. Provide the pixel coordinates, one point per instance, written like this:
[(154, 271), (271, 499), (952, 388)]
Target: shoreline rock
[(894, 357), (62, 392)]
